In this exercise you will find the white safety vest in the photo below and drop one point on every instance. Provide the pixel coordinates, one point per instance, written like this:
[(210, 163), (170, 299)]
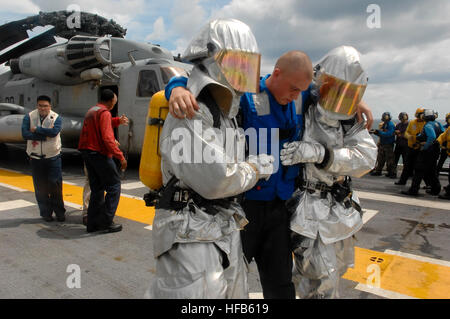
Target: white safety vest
[(51, 146)]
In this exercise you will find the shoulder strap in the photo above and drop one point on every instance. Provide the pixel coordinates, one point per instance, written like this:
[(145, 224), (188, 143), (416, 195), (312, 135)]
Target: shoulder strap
[(207, 99)]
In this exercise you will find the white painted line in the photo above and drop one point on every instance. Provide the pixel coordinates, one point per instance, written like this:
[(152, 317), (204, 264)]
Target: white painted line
[(73, 205), (403, 200), (131, 196), (255, 295), (419, 258), (70, 183), (13, 187), (150, 227), (13, 204), (132, 185), (382, 292), (368, 214)]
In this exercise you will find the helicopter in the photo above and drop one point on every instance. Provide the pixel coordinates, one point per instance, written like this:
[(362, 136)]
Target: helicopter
[(74, 72)]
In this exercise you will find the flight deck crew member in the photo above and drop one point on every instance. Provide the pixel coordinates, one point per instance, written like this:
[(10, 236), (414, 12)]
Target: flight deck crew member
[(444, 141), (115, 122), (415, 126), (428, 155), (444, 150), (41, 129), (385, 147), (97, 146), (196, 231), (401, 143)]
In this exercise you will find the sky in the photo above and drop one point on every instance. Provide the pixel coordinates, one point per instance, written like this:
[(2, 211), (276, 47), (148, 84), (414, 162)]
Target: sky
[(404, 44)]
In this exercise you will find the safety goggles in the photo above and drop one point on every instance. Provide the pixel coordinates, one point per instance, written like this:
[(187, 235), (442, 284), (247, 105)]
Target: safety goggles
[(339, 96), (240, 69)]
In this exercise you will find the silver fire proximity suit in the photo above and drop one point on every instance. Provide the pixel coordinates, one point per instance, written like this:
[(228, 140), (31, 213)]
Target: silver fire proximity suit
[(197, 248), (333, 148)]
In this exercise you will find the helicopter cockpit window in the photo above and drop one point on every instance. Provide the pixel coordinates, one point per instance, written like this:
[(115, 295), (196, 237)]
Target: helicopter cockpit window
[(148, 83), (169, 71)]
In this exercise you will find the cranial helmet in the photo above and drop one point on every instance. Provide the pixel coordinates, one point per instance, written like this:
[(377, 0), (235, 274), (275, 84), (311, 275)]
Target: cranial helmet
[(402, 115), (428, 115), (386, 116), (419, 111), (227, 56), (342, 81)]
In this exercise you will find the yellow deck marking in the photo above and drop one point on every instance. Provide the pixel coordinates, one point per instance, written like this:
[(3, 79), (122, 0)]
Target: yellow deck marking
[(130, 208), (400, 274)]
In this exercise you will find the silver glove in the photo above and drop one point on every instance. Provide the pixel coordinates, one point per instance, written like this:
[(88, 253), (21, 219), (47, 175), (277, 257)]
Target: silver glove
[(263, 164), (302, 152)]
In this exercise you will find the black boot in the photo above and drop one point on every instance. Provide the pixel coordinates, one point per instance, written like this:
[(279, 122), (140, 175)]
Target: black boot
[(444, 196), (410, 192)]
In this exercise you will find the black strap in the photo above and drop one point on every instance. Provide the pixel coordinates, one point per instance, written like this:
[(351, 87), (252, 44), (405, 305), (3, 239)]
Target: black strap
[(166, 194), (206, 98)]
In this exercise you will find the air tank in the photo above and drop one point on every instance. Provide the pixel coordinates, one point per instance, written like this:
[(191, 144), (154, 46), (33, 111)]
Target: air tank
[(150, 164)]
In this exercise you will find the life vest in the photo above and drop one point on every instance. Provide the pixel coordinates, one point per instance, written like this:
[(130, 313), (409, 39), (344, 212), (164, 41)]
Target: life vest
[(51, 146)]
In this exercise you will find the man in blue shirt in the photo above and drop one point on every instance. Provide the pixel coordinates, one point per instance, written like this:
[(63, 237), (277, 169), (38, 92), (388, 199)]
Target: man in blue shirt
[(41, 129)]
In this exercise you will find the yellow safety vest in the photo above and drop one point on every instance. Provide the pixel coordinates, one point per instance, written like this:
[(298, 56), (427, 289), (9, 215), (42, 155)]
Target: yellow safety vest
[(414, 127), (445, 137)]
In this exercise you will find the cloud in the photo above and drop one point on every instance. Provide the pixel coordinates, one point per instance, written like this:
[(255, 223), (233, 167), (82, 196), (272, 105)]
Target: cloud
[(187, 17), (21, 7), (159, 31)]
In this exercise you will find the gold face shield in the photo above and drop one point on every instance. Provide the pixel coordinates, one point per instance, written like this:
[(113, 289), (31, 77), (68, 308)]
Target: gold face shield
[(240, 69), (339, 96)]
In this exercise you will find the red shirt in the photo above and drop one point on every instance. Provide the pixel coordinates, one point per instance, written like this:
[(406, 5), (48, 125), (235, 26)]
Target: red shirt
[(97, 133)]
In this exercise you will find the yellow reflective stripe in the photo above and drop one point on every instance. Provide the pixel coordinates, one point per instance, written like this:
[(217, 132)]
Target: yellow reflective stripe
[(130, 208)]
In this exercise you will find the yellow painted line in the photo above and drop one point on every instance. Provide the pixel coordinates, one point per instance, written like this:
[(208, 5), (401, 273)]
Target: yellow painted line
[(130, 208), (403, 275)]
